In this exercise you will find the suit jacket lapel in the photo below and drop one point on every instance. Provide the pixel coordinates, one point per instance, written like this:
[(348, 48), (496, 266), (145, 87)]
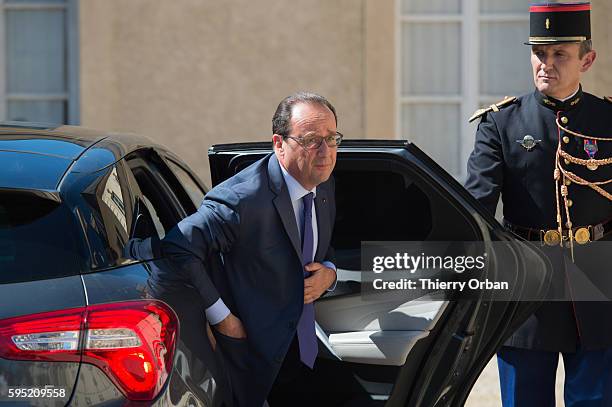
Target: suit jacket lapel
[(282, 203)]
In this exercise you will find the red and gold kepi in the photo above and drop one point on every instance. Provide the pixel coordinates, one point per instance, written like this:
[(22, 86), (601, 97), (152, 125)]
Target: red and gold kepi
[(552, 23)]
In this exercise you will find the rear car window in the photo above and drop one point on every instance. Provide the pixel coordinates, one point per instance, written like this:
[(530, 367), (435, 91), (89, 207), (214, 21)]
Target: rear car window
[(31, 171), (38, 238)]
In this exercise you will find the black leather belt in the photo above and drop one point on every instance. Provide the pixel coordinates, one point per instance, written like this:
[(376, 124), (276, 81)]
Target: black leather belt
[(551, 237)]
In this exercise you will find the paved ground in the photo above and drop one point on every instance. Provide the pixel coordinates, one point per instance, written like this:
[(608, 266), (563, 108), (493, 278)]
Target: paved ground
[(486, 390)]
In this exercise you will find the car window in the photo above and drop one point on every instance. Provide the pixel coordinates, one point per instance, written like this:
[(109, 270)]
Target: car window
[(158, 201), (397, 210), (38, 238), (105, 214), (383, 201), (196, 194), (150, 215)]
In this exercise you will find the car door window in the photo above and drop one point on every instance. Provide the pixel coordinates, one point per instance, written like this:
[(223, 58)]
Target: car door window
[(150, 215), (157, 202), (105, 216), (195, 192), (380, 202)]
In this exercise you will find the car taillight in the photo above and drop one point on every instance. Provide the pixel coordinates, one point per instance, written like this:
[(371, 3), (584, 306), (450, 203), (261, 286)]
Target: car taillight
[(134, 345), (133, 342), (50, 336)]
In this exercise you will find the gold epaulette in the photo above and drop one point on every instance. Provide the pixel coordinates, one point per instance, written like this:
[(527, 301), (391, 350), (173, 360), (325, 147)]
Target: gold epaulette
[(493, 108)]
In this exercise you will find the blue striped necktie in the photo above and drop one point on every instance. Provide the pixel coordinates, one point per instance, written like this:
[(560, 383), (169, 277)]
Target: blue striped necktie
[(307, 338)]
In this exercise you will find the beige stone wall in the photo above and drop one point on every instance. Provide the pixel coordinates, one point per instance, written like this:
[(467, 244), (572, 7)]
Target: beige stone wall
[(191, 73), (380, 69), (599, 80)]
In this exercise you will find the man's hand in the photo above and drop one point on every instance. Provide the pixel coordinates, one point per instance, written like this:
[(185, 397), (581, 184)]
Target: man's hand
[(211, 337), (231, 326), (320, 280)]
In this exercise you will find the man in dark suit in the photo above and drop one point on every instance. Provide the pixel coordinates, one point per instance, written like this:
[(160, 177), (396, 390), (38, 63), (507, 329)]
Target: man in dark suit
[(548, 153), (258, 249)]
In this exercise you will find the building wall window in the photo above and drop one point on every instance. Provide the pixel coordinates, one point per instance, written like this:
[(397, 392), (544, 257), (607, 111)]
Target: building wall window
[(453, 57), (40, 75)]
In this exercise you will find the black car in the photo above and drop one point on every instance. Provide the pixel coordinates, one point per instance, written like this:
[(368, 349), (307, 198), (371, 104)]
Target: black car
[(83, 323)]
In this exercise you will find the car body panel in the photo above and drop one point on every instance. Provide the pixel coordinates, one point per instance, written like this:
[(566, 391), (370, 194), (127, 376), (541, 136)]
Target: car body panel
[(20, 376), (50, 295), (95, 388)]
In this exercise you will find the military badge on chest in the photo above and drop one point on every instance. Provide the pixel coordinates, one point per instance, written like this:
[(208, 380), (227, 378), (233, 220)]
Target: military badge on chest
[(528, 142), (590, 147)]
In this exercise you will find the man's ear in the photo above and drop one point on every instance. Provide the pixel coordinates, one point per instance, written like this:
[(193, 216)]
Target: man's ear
[(588, 60), (277, 142)]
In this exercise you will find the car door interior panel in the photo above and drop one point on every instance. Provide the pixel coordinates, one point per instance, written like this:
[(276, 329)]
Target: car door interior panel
[(388, 312), (380, 331), (375, 347)]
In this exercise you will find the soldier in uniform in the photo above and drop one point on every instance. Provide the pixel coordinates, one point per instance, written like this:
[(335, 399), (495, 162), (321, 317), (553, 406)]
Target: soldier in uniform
[(549, 155)]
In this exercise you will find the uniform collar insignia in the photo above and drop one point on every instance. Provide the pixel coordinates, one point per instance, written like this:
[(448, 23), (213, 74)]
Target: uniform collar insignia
[(528, 142), (555, 104)]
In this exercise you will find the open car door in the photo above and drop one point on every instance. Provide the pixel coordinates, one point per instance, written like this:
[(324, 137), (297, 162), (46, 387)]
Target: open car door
[(406, 351)]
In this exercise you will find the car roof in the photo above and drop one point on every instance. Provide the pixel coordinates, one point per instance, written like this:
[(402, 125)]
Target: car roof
[(37, 156)]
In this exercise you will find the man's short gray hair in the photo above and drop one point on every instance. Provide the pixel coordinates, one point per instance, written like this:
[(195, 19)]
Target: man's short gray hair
[(585, 47)]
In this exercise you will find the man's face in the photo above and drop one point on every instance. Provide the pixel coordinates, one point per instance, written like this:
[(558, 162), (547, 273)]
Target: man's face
[(308, 167), (557, 68)]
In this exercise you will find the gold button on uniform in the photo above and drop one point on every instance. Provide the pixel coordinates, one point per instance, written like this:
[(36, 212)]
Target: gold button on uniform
[(568, 182), (552, 238), (582, 236), (569, 203), (566, 139), (564, 120), (566, 161)]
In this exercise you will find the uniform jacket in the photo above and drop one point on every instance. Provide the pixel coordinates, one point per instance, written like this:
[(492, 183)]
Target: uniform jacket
[(500, 164)]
